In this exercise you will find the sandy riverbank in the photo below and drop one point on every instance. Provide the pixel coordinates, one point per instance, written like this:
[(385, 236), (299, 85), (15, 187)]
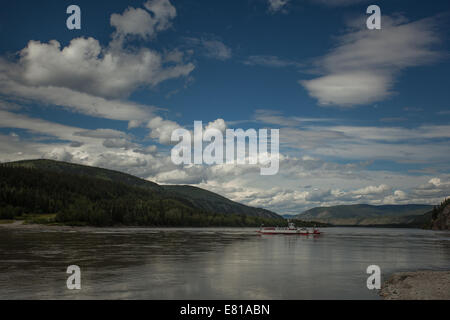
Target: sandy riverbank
[(420, 285)]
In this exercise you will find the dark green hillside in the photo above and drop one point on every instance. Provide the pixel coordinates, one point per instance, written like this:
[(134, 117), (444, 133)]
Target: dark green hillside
[(210, 201), (92, 172), (95, 196)]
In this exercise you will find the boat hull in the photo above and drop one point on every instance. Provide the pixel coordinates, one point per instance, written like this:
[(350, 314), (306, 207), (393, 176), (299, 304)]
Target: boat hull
[(288, 232)]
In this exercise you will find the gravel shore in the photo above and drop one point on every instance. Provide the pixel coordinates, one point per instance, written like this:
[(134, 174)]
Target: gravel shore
[(420, 285)]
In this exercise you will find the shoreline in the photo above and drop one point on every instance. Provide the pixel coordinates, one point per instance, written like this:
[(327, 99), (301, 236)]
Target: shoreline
[(417, 285), (22, 225)]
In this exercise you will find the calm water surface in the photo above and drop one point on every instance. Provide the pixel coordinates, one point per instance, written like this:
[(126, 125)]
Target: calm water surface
[(210, 263)]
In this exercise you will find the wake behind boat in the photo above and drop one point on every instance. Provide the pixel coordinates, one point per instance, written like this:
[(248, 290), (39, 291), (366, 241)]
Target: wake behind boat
[(291, 229)]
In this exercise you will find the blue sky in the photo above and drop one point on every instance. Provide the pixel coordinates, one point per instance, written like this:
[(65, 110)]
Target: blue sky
[(363, 114)]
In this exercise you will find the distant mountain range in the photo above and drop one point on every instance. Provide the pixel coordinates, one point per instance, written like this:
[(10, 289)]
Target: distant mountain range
[(104, 197), (364, 214)]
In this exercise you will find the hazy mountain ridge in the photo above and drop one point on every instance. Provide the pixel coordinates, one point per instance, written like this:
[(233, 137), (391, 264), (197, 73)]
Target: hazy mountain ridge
[(364, 214)]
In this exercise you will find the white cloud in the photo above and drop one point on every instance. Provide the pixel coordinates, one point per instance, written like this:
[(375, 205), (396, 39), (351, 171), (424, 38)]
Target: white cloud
[(324, 138), (363, 66), (270, 61), (396, 198), (162, 129), (277, 118), (118, 144), (163, 11), (435, 182), (139, 22), (372, 190), (217, 49), (43, 127), (133, 21), (74, 100), (86, 67), (101, 134), (105, 148), (218, 124), (9, 106), (190, 175), (92, 79), (278, 5), (210, 47), (349, 88), (59, 154), (435, 188)]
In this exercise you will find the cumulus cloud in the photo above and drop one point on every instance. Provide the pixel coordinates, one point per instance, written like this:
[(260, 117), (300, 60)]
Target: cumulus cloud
[(397, 197), (87, 67), (363, 66), (218, 124), (59, 154), (162, 129), (133, 21), (163, 11), (139, 22)]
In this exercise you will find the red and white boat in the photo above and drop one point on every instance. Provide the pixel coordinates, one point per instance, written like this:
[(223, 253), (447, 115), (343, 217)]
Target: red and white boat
[(291, 229)]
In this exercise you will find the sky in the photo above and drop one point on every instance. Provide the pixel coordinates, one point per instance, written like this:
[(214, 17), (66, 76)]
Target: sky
[(364, 115)]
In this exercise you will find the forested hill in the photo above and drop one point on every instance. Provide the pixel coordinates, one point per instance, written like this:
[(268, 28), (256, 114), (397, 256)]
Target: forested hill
[(95, 196), (210, 201), (440, 216)]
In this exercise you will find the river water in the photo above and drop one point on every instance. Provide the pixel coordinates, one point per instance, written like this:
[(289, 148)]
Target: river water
[(144, 263)]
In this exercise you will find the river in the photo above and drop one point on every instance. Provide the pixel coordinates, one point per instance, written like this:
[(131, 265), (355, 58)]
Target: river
[(213, 263)]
